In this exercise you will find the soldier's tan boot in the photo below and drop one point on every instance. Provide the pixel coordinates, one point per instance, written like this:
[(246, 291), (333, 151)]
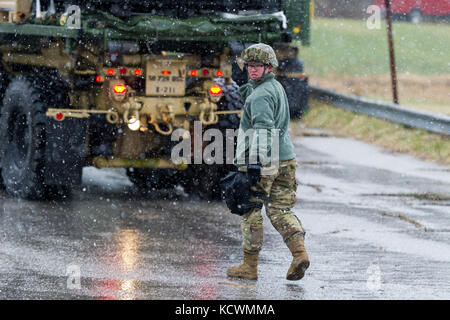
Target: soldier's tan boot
[(247, 270), (300, 262)]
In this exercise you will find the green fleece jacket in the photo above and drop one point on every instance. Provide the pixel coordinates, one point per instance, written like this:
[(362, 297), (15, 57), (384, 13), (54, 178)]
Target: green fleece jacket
[(266, 107)]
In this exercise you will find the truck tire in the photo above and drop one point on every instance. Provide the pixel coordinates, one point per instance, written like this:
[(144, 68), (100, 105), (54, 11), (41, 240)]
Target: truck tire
[(23, 138), (296, 88), (297, 94), (231, 100)]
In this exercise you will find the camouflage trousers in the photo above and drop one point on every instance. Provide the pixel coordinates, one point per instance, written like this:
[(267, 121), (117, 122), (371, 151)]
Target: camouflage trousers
[(281, 189)]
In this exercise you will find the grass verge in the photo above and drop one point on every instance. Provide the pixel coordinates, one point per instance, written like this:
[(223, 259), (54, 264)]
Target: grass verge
[(430, 93), (347, 56), (349, 47), (391, 136)]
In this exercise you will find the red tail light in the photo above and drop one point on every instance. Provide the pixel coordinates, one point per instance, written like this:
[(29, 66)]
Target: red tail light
[(137, 72), (59, 116), (205, 72), (110, 72), (123, 70), (215, 90), (165, 72), (98, 79), (193, 73), (219, 73), (119, 89)]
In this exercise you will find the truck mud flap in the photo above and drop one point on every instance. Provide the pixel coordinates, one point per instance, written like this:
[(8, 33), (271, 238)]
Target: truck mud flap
[(65, 151)]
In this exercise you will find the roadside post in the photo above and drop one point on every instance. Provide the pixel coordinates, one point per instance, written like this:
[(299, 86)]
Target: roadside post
[(391, 51)]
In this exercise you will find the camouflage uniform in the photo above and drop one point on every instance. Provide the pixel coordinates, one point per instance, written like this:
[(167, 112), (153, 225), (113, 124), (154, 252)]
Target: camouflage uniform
[(281, 189)]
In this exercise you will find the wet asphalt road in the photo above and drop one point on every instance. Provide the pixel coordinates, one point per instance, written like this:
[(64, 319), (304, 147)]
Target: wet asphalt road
[(377, 227)]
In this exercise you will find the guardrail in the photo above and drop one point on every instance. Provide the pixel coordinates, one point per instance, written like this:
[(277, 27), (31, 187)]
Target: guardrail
[(432, 122)]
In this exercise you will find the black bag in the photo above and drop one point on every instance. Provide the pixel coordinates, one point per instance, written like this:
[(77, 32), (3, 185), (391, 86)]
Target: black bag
[(237, 194)]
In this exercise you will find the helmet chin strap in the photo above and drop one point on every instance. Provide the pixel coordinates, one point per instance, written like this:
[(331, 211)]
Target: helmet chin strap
[(264, 72)]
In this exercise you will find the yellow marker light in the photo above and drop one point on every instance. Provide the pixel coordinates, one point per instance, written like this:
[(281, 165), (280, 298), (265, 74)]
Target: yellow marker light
[(215, 90), (119, 89), (296, 30)]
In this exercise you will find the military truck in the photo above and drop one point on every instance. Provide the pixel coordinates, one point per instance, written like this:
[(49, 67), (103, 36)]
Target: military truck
[(107, 83)]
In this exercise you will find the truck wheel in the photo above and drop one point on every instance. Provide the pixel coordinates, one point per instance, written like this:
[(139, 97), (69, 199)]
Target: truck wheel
[(231, 100), (415, 16), (297, 94), (296, 88), (23, 138)]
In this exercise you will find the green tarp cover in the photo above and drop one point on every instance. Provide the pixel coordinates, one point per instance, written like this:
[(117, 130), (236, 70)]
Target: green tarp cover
[(151, 26)]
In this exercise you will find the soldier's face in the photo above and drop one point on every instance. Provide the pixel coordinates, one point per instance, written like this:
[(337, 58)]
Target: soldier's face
[(256, 70)]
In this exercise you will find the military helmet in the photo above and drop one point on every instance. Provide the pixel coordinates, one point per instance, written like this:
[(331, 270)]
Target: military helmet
[(260, 52)]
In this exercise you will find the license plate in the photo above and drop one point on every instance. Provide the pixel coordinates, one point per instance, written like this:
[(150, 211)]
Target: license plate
[(165, 78)]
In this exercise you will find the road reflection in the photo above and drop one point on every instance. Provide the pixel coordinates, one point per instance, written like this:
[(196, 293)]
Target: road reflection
[(205, 270), (128, 248), (126, 261)]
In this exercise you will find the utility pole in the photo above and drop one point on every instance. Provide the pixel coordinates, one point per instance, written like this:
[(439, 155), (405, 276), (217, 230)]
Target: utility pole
[(391, 51)]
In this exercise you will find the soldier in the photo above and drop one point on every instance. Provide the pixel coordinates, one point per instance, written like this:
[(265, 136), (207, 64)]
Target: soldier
[(266, 107)]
